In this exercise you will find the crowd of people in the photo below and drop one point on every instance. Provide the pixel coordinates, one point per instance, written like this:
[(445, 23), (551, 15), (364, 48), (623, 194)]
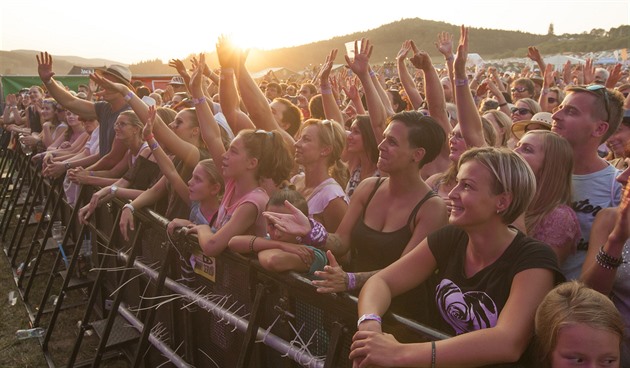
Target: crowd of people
[(462, 198)]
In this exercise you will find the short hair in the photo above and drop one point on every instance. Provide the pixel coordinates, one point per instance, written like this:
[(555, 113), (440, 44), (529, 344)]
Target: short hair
[(311, 88), (287, 192), (292, 115), (568, 304), (613, 115), (397, 99), (422, 132), (527, 83), (510, 173), (276, 86)]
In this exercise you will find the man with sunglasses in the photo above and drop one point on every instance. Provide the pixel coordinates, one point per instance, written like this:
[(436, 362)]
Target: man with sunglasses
[(587, 117)]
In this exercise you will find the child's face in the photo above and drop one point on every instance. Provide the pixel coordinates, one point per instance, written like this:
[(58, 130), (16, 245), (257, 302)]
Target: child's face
[(276, 234), (580, 345), (200, 186)]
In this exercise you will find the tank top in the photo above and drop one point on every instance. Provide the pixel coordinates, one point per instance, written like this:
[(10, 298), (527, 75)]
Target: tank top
[(375, 250)]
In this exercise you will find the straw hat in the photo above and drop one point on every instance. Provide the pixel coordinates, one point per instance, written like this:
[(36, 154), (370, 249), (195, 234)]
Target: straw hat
[(542, 120)]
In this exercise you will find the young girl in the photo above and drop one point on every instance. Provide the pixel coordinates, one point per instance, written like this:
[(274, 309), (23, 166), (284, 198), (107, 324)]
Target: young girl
[(281, 251), (577, 326), (252, 156)]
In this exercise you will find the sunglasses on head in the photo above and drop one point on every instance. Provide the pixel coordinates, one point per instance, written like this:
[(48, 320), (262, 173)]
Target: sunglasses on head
[(521, 110), (597, 88), (519, 89)]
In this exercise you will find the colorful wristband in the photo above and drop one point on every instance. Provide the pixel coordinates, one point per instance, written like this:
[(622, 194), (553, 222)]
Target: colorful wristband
[(128, 96), (461, 82), (316, 237), (352, 281), (369, 317)]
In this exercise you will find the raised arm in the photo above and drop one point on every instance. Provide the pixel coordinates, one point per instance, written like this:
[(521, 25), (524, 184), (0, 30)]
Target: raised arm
[(164, 162), (547, 83), (229, 98), (534, 54), (331, 109), (210, 131), (434, 92), (444, 45), (469, 119), (409, 86), (76, 105), (185, 151), (361, 67)]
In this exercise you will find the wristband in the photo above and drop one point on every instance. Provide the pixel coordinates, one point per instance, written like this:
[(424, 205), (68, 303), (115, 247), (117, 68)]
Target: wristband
[(372, 73), (128, 96), (545, 91), (128, 205), (326, 90), (91, 173), (352, 281), (450, 58), (461, 82), (369, 317), (153, 146), (316, 237), (607, 261), (197, 101), (149, 137)]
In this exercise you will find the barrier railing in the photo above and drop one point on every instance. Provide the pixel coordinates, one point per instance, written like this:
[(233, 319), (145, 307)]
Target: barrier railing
[(232, 313)]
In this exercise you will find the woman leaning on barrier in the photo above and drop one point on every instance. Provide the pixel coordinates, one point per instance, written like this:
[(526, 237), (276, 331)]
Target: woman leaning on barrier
[(488, 277)]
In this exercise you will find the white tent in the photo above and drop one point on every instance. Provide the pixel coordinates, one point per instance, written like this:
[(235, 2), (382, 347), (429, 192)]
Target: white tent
[(474, 60), (558, 61)]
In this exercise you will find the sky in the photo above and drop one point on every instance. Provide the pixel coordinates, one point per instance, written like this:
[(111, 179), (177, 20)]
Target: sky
[(131, 31)]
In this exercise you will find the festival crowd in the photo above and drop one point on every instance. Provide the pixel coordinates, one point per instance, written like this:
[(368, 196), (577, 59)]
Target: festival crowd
[(486, 204)]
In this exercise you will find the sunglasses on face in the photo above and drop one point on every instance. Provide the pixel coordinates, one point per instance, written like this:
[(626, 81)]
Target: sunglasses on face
[(519, 89), (552, 100), (521, 110)]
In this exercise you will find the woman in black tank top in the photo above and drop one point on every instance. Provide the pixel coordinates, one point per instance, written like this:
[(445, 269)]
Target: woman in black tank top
[(386, 217)]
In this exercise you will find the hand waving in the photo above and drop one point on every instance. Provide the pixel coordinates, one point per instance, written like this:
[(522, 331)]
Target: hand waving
[(44, 66), (360, 64), (444, 44)]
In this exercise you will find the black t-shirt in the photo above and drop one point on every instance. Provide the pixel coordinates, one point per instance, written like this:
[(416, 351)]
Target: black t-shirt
[(465, 304), (106, 119)]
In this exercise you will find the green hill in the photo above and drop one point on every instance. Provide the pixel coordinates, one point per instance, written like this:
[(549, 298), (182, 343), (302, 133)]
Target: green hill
[(387, 39)]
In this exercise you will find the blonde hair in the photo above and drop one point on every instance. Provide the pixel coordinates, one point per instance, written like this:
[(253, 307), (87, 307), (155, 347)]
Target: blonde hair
[(533, 105), (511, 175), (568, 304), (210, 168), (133, 119), (553, 184), (506, 123), (333, 135)]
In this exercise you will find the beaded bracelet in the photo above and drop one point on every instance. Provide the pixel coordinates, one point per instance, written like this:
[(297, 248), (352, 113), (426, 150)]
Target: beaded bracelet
[(607, 261)]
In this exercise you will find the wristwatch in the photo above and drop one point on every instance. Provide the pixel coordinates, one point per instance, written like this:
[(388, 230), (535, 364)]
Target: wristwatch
[(113, 189)]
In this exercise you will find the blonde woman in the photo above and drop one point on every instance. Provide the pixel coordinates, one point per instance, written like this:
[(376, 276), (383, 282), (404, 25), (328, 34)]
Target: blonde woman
[(318, 151), (502, 125), (549, 218)]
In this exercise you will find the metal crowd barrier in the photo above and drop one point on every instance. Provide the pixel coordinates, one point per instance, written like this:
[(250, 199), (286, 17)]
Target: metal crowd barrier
[(231, 313)]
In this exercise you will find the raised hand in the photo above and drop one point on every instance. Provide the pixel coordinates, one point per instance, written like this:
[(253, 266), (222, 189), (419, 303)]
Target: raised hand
[(444, 44), (589, 71), (11, 100), (108, 86), (548, 76), (566, 72), (462, 54), (179, 66), (404, 50), (614, 77), (324, 73), (227, 53), (361, 62), (534, 54), (196, 78), (147, 130), (420, 59), (44, 66)]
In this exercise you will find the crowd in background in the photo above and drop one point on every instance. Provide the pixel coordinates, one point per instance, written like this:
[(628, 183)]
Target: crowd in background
[(458, 196)]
